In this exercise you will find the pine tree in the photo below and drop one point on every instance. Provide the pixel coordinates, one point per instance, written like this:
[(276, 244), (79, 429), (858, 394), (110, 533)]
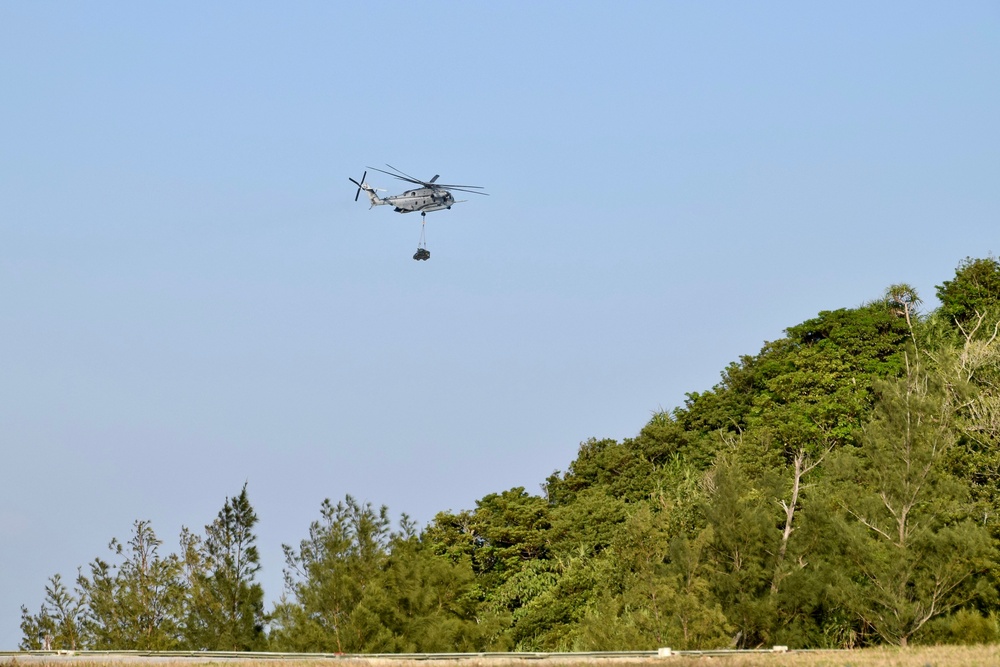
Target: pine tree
[(916, 553), (327, 577), (226, 604), (136, 604), (57, 624)]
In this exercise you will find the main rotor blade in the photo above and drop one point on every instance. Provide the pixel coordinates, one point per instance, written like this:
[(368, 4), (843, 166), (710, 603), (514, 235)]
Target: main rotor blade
[(462, 189), (453, 186), (408, 179), (433, 184), (404, 173)]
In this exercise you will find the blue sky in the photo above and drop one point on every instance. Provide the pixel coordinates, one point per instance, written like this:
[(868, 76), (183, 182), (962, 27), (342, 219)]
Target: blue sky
[(190, 299)]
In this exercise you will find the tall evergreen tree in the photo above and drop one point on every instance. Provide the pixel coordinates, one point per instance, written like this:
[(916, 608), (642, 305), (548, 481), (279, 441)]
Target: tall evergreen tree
[(327, 577), (57, 624), (423, 601), (137, 603), (226, 604), (915, 549), (36, 629)]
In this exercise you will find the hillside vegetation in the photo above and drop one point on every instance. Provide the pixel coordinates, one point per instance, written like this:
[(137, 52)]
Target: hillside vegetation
[(837, 489)]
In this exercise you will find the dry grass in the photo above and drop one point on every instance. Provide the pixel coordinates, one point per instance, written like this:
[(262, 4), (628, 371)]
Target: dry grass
[(938, 656)]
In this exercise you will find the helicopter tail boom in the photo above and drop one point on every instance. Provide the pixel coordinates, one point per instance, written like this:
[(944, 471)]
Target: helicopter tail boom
[(369, 190), (372, 197)]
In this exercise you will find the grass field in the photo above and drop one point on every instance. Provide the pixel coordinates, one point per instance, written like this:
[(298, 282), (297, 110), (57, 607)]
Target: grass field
[(938, 656)]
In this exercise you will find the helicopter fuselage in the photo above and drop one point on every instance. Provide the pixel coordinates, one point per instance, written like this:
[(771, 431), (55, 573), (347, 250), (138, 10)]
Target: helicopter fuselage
[(421, 199)]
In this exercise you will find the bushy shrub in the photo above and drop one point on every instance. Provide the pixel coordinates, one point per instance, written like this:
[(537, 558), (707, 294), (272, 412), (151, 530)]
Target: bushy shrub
[(964, 627)]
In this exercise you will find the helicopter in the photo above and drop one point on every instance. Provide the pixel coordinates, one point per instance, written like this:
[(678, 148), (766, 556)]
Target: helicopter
[(430, 196)]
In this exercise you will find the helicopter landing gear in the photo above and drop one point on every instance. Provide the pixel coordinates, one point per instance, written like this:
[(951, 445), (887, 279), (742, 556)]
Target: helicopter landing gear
[(422, 252)]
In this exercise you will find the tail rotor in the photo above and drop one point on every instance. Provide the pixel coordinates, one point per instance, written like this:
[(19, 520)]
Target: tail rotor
[(360, 185)]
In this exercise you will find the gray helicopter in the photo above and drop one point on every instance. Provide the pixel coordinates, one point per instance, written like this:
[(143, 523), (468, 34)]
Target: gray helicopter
[(430, 196)]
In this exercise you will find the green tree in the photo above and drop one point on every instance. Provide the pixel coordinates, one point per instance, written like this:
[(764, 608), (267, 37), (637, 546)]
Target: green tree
[(327, 577), (655, 591), (915, 550), (765, 533), (36, 630), (57, 624), (622, 470), (968, 363), (742, 518), (137, 603), (424, 602), (505, 531), (905, 302), (975, 289), (817, 383), (197, 599), (808, 387), (226, 604), (507, 540)]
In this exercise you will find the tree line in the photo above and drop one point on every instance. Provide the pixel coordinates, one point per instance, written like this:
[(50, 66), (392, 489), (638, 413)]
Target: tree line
[(837, 489)]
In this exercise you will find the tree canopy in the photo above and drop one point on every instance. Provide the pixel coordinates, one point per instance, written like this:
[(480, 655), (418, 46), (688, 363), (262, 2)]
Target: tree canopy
[(839, 488)]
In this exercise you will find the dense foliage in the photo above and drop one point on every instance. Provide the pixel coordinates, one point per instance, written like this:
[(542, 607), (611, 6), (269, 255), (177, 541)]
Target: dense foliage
[(837, 489)]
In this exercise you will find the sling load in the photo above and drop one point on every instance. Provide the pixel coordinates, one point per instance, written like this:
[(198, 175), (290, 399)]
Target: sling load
[(422, 251)]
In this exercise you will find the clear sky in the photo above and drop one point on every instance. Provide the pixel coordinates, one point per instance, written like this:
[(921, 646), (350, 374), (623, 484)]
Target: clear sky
[(190, 298)]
